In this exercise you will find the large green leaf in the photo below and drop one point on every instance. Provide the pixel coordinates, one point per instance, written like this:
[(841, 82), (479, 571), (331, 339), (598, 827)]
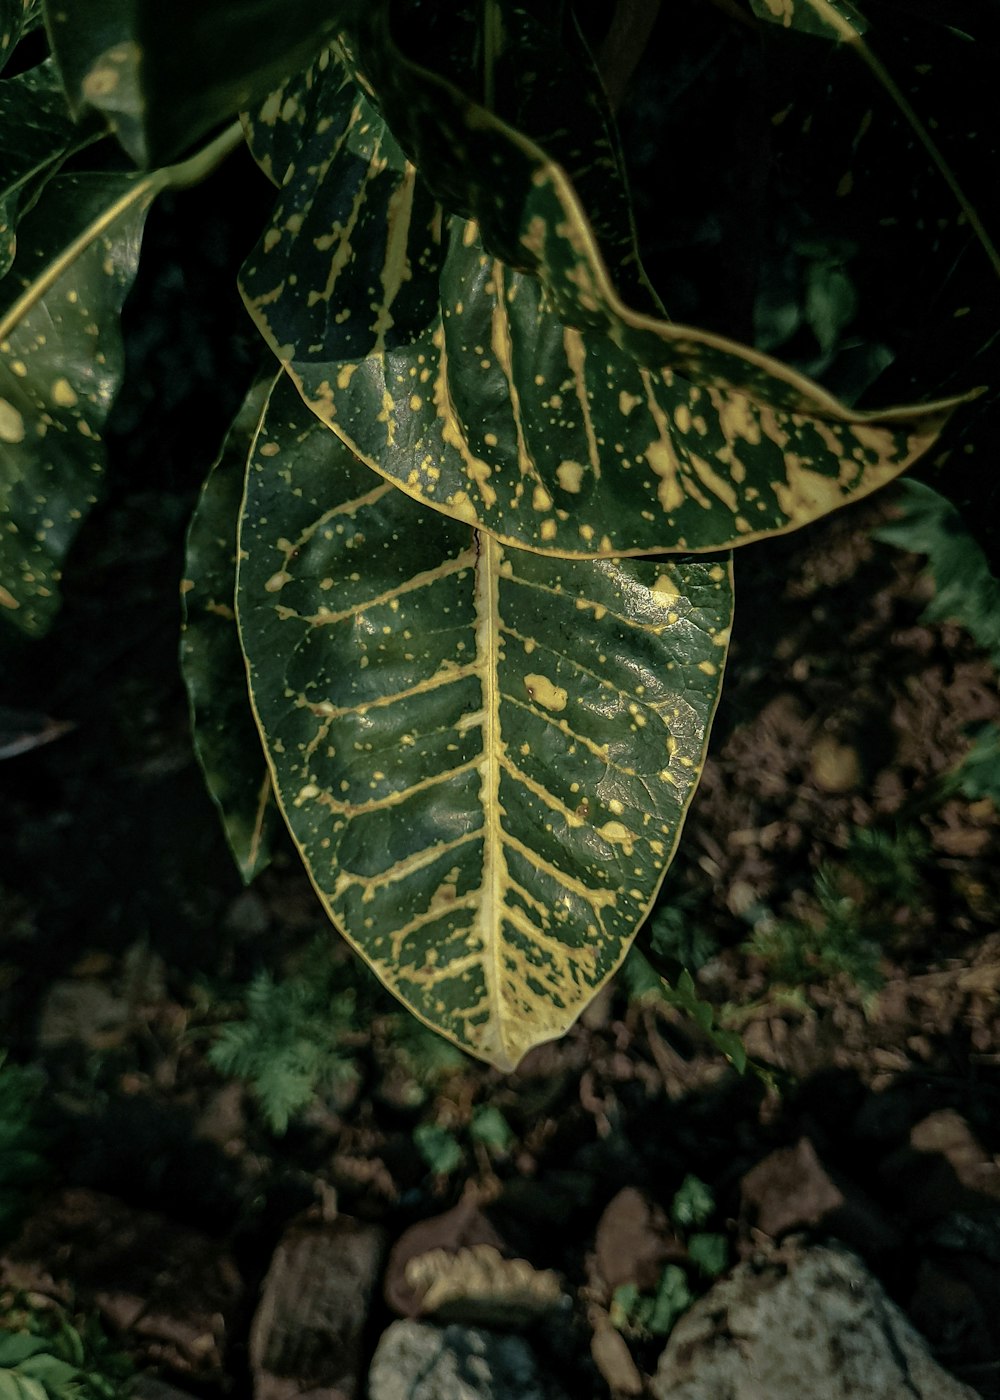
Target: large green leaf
[(36, 134), (597, 430), (479, 132), (61, 364), (225, 736), (831, 19), (164, 75), (485, 757)]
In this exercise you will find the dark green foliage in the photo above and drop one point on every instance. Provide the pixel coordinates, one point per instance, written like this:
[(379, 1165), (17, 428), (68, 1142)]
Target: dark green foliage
[(677, 934), (52, 1356), (297, 1041), (643, 1315), (965, 590), (836, 941), (642, 982), (22, 1143), (889, 863), (978, 775), (693, 1204), (291, 1045), (652, 1314), (438, 1147)]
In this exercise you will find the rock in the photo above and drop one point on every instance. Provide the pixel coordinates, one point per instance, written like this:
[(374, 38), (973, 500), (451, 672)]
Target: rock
[(173, 1288), (942, 1169), (947, 1133), (835, 767), (613, 1359), (83, 1011), (800, 1322), (633, 1241), (791, 1190), (415, 1361), (306, 1336)]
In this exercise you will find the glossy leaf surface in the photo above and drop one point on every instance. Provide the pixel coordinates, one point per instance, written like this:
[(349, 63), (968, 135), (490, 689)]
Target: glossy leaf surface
[(539, 408), (225, 736), (60, 367), (484, 757), (36, 134), (16, 18), (164, 75), (831, 19)]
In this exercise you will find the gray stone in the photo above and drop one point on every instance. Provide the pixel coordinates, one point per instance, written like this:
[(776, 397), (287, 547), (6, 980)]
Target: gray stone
[(307, 1333), (416, 1361), (802, 1321)]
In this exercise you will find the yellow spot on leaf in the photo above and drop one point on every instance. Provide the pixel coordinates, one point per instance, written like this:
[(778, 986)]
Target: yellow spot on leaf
[(545, 692), (63, 393), (665, 590), (569, 475), (11, 423)]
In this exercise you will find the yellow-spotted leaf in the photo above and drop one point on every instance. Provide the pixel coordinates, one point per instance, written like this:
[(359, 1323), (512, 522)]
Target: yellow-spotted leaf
[(17, 17), (622, 435), (60, 367), (225, 736), (484, 756), (61, 364), (352, 253), (164, 75), (37, 133), (831, 19), (482, 133)]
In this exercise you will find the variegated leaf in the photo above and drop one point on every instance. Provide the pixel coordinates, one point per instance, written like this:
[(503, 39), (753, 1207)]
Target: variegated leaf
[(60, 367), (225, 736), (628, 436), (61, 364), (831, 19), (484, 756), (37, 133), (163, 75), (17, 17)]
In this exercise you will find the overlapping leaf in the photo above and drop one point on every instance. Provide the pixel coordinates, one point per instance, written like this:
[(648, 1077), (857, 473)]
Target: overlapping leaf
[(480, 132), (36, 134), (484, 756), (831, 19), (539, 408), (164, 75), (225, 736), (16, 18), (60, 367)]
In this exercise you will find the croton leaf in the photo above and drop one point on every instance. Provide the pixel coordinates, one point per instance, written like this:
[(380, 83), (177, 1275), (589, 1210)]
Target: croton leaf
[(225, 736), (164, 75), (479, 132), (832, 19), (61, 363), (16, 18), (587, 430), (484, 757), (36, 134)]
